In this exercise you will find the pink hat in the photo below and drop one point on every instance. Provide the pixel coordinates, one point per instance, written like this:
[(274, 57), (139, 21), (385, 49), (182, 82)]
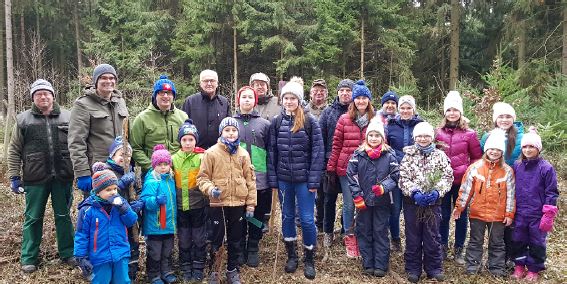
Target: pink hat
[(532, 138), (160, 155)]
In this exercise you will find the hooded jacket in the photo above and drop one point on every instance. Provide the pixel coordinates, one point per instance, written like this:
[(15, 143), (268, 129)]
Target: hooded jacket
[(462, 147), (207, 114), (154, 185), (536, 185), (328, 123), (268, 106), (347, 138), (399, 133)]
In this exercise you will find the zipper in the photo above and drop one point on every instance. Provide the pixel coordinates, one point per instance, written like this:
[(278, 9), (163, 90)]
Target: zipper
[(50, 142), (480, 190), (95, 235)]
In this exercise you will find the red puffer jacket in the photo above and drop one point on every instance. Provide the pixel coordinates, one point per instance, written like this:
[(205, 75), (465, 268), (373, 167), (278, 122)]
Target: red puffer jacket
[(462, 147), (348, 136)]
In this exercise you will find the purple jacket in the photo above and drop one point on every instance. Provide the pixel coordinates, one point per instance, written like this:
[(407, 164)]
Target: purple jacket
[(536, 185), (462, 147)]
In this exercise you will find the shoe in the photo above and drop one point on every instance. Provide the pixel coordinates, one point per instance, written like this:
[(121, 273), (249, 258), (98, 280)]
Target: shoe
[(532, 276), (71, 261), (471, 271), (396, 245), (437, 277), (510, 265), (309, 263), (233, 277), (187, 277), (29, 268), (368, 271), (499, 273), (379, 272), (328, 240), (157, 280), (459, 256), (253, 260), (351, 246), (413, 278), (519, 272), (198, 275), (214, 278), (291, 264), (169, 278), (444, 250)]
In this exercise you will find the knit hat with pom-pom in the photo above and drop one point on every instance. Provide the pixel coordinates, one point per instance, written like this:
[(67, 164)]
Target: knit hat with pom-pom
[(160, 155), (102, 177), (361, 90), (164, 84)]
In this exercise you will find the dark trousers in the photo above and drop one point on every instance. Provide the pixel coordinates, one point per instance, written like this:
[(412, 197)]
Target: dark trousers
[(231, 218), (396, 195), (330, 208), (319, 208), (191, 239), (264, 200), (159, 252), (372, 234), (496, 251), (461, 224), (528, 243), (134, 254), (423, 247)]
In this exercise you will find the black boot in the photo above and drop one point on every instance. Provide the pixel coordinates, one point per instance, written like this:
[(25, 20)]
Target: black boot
[(309, 263), (291, 264), (242, 255), (252, 259)]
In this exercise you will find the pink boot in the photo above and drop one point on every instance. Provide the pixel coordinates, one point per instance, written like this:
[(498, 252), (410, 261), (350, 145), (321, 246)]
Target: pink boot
[(351, 246), (532, 276), (519, 272)]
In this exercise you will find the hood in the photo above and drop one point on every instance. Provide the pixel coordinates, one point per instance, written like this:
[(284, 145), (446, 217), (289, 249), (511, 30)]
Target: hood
[(89, 201)]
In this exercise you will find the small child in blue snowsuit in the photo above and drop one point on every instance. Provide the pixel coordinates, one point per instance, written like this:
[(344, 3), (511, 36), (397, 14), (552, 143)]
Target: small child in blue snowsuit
[(101, 239)]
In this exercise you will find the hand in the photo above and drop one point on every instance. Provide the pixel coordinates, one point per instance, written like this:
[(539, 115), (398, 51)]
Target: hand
[(125, 181), (137, 205), (216, 193), (359, 203), (161, 199), (85, 183), (378, 190), (507, 221), (85, 266), (456, 214), (16, 185), (249, 214), (432, 197), (548, 218), (312, 190), (420, 198)]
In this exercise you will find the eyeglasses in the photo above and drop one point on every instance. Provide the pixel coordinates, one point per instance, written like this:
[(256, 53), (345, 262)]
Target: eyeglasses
[(209, 81), (107, 78)]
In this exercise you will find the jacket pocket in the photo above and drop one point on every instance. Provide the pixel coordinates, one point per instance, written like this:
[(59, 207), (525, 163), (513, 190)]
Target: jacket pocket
[(35, 167), (241, 188)]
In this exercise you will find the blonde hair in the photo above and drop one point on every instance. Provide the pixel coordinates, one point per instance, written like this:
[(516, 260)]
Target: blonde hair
[(299, 119)]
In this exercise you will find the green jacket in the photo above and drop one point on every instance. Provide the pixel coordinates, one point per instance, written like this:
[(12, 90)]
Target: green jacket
[(152, 127), (186, 168)]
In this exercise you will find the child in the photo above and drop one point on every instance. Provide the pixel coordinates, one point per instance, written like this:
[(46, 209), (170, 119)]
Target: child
[(160, 217), (373, 173), (536, 203), (488, 187), (425, 176), (190, 204), (253, 133), (101, 241), (227, 177)]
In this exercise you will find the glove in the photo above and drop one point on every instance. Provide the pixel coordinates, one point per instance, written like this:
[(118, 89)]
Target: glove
[(378, 190), (432, 197), (359, 203), (85, 266), (549, 213), (161, 199), (215, 192), (388, 184), (125, 181), (119, 202), (85, 183), (420, 198), (137, 205), (249, 214), (16, 185)]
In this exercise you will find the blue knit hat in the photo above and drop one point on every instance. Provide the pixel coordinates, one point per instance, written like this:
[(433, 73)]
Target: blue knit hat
[(227, 121), (188, 128), (360, 89), (390, 96), (117, 144), (163, 84)]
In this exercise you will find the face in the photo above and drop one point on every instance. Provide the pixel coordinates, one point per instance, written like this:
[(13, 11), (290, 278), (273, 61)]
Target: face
[(290, 102), (504, 121), (209, 84), (118, 157), (493, 154), (43, 99), (106, 83), (108, 192), (374, 139), (188, 143), (361, 103), (318, 94), (164, 99), (230, 133), (423, 140), (345, 95), (452, 114), (530, 151), (246, 100), (389, 107), (260, 87), (162, 168), (406, 111)]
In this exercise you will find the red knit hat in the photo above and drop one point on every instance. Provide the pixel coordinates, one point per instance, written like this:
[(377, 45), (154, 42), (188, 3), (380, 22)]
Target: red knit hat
[(244, 89)]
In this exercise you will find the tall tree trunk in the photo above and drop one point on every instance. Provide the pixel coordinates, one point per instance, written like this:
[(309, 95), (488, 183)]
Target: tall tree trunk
[(454, 56), (37, 29), (235, 60), (522, 41), (3, 106), (77, 39), (10, 70), (22, 46), (564, 51), (362, 47)]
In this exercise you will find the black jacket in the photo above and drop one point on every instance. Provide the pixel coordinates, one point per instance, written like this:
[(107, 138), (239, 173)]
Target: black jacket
[(328, 123), (207, 115)]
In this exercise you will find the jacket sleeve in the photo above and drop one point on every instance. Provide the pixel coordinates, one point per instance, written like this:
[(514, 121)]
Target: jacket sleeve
[(187, 107), (444, 185), (149, 194), (273, 155), (317, 155), (79, 127), (338, 139), (510, 194), (406, 184), (205, 172), (394, 174), (466, 190), (137, 141), (249, 175), (352, 176), (15, 152), (82, 235), (474, 147), (550, 183), (129, 218)]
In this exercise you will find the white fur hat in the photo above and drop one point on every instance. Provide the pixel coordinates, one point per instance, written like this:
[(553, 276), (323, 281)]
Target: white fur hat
[(453, 100), (375, 125), (500, 108), (496, 140)]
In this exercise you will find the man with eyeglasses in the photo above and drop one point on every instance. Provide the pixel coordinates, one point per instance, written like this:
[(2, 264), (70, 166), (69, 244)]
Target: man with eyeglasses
[(96, 119), (207, 108), (268, 104), (318, 98)]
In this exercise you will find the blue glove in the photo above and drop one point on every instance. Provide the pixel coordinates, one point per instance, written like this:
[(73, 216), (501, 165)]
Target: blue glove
[(137, 205), (85, 266), (432, 197), (249, 214), (121, 203), (420, 198), (215, 193), (125, 181), (16, 185), (85, 183), (161, 199)]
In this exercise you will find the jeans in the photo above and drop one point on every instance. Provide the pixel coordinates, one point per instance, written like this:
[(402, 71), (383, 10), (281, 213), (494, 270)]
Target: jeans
[(348, 206), (288, 192), (460, 224), (395, 213)]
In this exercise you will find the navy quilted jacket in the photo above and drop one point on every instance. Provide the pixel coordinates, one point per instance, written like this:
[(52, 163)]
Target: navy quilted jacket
[(400, 134)]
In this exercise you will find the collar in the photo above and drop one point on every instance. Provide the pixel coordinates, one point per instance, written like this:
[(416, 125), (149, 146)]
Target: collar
[(54, 112)]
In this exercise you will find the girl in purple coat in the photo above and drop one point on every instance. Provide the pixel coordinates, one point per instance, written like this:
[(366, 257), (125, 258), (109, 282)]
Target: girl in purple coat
[(461, 145), (536, 208)]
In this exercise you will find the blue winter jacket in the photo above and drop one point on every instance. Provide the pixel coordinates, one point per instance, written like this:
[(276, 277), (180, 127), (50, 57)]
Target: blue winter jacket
[(399, 133), (154, 185), (328, 123), (295, 157), (510, 160), (100, 236)]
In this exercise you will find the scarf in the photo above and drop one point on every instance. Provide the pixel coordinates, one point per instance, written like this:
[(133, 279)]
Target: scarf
[(374, 153), (231, 146), (426, 150), (362, 121)]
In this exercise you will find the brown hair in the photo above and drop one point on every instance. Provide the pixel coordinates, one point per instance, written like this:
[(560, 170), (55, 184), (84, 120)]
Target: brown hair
[(299, 120), (352, 111), (511, 133)]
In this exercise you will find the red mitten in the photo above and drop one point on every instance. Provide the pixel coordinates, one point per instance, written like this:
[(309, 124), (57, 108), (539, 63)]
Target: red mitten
[(549, 213), (359, 203), (378, 190)]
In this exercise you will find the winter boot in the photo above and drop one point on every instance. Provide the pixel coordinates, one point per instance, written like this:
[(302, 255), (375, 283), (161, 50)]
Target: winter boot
[(253, 260), (532, 276), (459, 256), (242, 255), (328, 240), (169, 278), (198, 274), (233, 277), (519, 272), (309, 263), (29, 268), (351, 246), (291, 264)]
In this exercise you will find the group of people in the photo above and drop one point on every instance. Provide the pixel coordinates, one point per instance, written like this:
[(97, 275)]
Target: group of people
[(208, 177)]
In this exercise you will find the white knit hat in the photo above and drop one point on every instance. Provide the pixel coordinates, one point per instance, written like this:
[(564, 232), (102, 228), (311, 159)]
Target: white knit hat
[(375, 125), (293, 88), (423, 128), (500, 108), (453, 100), (496, 140), (406, 100)]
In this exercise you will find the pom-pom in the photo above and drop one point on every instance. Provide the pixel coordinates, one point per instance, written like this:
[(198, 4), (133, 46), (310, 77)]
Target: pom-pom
[(296, 79), (99, 166), (360, 82), (163, 76), (159, 147), (532, 129)]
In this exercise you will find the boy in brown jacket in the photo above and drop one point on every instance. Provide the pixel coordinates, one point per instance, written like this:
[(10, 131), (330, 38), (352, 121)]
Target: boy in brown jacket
[(227, 177)]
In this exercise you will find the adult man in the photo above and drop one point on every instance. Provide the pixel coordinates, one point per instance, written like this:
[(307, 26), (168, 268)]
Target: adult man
[(268, 105), (96, 119), (318, 97), (389, 107), (39, 148), (207, 108)]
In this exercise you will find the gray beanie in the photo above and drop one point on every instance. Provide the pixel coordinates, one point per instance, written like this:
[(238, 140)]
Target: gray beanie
[(41, 84), (346, 83), (103, 69)]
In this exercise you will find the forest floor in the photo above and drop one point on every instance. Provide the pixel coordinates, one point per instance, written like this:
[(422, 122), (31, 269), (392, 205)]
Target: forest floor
[(332, 266)]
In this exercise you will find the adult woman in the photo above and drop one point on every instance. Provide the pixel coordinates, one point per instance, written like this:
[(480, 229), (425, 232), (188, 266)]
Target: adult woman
[(348, 136), (295, 158)]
